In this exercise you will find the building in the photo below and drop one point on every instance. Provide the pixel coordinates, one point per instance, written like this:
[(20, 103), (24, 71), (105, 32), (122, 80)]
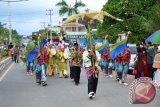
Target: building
[(74, 31)]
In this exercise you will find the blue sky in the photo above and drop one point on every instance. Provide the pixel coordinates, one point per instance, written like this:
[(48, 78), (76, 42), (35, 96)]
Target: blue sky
[(28, 15)]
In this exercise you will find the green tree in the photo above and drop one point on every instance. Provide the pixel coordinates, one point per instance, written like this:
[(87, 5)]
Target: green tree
[(65, 8), (141, 17), (3, 34)]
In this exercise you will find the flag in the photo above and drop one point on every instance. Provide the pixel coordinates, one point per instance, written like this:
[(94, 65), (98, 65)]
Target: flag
[(31, 54), (44, 41), (117, 48), (101, 48)]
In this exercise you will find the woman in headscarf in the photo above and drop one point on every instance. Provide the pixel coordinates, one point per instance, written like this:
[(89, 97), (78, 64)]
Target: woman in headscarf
[(156, 64), (62, 62), (139, 63), (51, 60)]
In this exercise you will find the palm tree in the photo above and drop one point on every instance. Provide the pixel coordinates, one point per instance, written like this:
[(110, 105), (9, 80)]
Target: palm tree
[(65, 8)]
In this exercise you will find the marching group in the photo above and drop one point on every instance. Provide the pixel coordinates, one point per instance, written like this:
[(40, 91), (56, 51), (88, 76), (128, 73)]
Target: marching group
[(64, 59)]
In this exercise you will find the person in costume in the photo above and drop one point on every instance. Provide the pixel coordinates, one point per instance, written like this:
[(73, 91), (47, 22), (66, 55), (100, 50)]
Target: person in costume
[(51, 60), (126, 60), (62, 62), (105, 58), (91, 58), (41, 65), (76, 60), (122, 65)]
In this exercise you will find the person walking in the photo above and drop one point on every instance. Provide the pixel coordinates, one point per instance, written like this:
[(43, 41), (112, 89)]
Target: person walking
[(91, 58), (16, 54), (150, 56), (76, 60), (156, 65)]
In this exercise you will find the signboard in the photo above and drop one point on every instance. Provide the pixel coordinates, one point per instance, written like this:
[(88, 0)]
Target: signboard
[(76, 35)]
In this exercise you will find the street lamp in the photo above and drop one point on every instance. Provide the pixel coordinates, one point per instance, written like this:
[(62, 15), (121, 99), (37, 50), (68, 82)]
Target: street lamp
[(9, 14)]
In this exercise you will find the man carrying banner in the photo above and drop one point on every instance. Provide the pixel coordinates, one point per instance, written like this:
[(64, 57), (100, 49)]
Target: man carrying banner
[(91, 60)]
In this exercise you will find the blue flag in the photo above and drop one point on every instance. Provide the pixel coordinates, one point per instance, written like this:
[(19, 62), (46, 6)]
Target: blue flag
[(31, 54)]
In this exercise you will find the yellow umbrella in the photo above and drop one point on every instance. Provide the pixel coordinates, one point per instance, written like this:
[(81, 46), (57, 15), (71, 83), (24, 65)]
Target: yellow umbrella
[(88, 17)]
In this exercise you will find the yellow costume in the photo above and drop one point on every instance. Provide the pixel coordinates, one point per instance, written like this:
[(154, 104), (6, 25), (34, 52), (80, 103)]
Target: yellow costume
[(51, 63), (62, 63)]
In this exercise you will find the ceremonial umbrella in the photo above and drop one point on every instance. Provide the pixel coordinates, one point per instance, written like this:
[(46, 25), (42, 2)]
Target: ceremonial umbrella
[(154, 38), (88, 17)]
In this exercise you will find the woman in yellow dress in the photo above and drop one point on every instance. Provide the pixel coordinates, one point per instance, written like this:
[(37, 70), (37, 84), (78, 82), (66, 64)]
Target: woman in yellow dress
[(51, 61), (62, 63)]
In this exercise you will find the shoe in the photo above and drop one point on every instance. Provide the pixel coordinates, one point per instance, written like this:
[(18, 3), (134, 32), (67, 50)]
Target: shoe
[(125, 84), (31, 73), (38, 82), (91, 94), (110, 76), (76, 84), (120, 81), (66, 76), (117, 79), (44, 83)]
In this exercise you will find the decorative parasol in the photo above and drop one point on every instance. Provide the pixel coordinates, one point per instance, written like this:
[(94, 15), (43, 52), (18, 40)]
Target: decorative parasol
[(88, 17), (154, 38)]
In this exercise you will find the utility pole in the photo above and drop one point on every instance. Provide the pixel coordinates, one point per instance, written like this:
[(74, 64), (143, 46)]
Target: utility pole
[(50, 13), (9, 14)]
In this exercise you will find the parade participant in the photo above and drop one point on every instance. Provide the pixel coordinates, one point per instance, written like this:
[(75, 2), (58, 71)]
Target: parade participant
[(139, 64), (105, 58), (90, 62), (150, 56), (70, 62), (76, 60), (41, 62), (126, 60), (156, 64), (16, 54), (62, 63), (122, 65), (51, 61)]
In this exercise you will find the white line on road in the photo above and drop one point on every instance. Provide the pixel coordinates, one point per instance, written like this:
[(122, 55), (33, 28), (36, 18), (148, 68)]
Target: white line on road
[(5, 73)]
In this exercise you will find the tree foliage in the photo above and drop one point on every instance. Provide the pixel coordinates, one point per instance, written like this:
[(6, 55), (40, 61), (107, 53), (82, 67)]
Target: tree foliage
[(65, 8), (141, 17), (4, 35)]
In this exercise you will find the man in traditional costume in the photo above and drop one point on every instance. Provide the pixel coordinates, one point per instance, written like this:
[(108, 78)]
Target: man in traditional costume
[(91, 58), (76, 60)]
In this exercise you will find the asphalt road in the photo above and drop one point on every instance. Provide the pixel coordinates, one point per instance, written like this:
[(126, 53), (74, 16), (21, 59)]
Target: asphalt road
[(19, 90)]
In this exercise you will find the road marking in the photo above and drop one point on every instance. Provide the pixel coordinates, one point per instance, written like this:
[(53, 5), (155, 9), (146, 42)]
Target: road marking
[(5, 73)]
